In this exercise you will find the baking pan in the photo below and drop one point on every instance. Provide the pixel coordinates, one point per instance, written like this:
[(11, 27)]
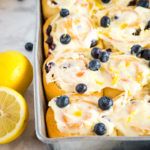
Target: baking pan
[(71, 143)]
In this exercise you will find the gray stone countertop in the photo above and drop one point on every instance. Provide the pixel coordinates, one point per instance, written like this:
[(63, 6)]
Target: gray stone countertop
[(18, 26)]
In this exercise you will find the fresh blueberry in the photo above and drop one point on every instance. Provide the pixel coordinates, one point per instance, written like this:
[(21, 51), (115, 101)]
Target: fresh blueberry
[(105, 1), (81, 88), (64, 12), (137, 32), (29, 46), (53, 46), (105, 21), (55, 3), (62, 101), (96, 52), (49, 29), (94, 65), (109, 50), (145, 53), (136, 49), (93, 43), (65, 39), (49, 66), (104, 57), (132, 3), (105, 103), (116, 17), (100, 129), (143, 3), (148, 25), (49, 40)]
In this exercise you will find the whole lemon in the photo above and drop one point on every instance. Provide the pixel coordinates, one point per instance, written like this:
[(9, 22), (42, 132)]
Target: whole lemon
[(16, 71)]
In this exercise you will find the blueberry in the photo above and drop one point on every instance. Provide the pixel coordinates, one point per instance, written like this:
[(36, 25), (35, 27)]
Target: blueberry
[(64, 12), (100, 129), (148, 25), (53, 2), (132, 3), (105, 22), (96, 52), (49, 29), (93, 43), (105, 103), (136, 49), (104, 56), (143, 3), (109, 50), (145, 53), (116, 17), (49, 40), (62, 101), (105, 1), (53, 46), (49, 66), (65, 39), (81, 88), (137, 32), (29, 46), (94, 65)]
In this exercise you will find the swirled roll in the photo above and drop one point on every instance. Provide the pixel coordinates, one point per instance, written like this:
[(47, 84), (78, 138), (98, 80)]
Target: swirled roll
[(63, 72)]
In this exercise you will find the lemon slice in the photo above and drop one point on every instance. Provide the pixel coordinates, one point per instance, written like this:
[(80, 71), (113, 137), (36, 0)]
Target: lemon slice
[(13, 115)]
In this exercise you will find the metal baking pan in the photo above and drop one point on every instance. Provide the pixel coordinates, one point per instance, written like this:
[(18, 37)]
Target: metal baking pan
[(72, 143)]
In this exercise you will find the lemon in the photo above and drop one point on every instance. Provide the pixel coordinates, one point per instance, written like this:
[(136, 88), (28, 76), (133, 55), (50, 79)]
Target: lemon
[(13, 115), (15, 71)]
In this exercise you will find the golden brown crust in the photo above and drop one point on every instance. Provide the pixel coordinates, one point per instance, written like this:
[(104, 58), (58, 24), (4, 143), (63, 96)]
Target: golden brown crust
[(52, 129), (49, 11), (112, 93), (51, 125), (51, 89), (46, 24)]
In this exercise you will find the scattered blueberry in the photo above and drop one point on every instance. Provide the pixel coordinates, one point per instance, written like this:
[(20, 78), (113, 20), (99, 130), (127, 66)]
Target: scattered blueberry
[(53, 2), (105, 1), (104, 56), (143, 3), (49, 66), (116, 17), (49, 40), (62, 101), (93, 43), (100, 129), (49, 29), (94, 65), (137, 32), (81, 88), (65, 39), (109, 50), (145, 53), (96, 52), (136, 49), (105, 103), (29, 46), (53, 46), (148, 25), (105, 21), (132, 3), (64, 12)]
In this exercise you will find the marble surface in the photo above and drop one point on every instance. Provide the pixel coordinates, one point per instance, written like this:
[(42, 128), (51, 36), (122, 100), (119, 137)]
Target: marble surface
[(17, 26)]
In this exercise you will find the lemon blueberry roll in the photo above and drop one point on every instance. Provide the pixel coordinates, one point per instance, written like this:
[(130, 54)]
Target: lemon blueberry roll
[(96, 75)]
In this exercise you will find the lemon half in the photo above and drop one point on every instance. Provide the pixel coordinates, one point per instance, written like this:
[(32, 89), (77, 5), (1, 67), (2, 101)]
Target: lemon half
[(13, 115)]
